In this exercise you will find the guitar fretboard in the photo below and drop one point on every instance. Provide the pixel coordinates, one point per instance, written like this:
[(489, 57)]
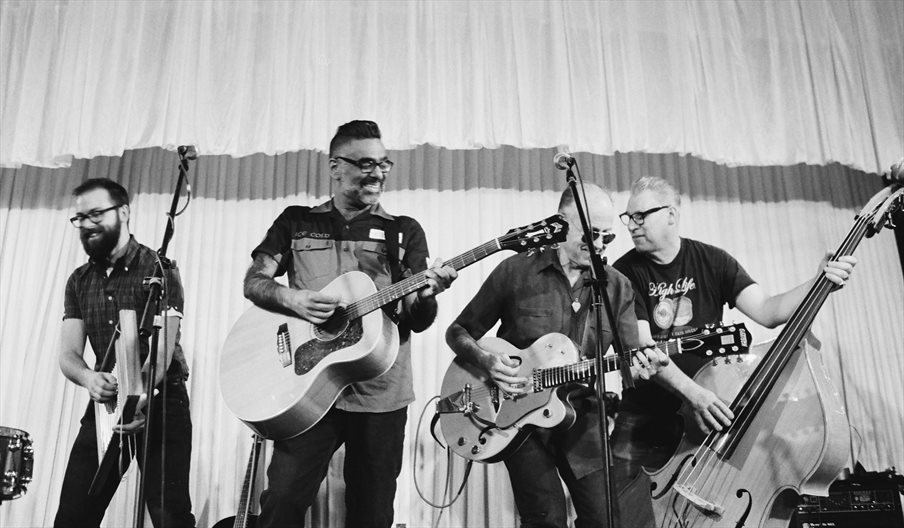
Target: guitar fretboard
[(414, 283), (554, 376)]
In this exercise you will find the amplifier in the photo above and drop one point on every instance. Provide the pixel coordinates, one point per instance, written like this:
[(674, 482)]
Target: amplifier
[(866, 500)]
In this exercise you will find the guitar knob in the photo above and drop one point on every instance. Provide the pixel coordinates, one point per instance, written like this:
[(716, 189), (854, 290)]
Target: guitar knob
[(462, 441), (546, 413), (475, 450)]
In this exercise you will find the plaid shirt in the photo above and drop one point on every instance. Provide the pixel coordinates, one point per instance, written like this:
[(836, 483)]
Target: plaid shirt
[(96, 298)]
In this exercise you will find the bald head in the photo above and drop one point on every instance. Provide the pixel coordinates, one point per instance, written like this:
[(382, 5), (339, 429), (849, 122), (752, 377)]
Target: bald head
[(595, 197)]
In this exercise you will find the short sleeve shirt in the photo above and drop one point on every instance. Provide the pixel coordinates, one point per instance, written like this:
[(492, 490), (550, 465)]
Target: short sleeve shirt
[(96, 298), (314, 245), (530, 295), (677, 299)]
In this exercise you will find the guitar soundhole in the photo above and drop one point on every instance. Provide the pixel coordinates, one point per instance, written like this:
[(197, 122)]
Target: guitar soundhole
[(328, 338), (332, 328)]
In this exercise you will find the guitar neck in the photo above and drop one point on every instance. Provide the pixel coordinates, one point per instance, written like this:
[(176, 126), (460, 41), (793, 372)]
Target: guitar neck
[(244, 509), (416, 282), (554, 376)]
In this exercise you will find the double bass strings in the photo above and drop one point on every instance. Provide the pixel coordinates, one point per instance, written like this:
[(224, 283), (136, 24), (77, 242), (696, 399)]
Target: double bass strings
[(765, 376)]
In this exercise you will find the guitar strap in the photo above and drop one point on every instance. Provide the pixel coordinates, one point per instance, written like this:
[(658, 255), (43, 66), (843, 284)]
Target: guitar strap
[(394, 310), (391, 229)]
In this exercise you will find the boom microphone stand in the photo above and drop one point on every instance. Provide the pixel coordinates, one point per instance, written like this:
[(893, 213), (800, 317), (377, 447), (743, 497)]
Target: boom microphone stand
[(600, 296), (152, 321)]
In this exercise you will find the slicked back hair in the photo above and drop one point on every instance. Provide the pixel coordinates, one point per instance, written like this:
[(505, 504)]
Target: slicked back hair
[(354, 130)]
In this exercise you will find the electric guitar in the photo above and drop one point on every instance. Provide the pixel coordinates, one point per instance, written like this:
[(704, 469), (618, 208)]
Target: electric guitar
[(243, 517), (280, 374), (482, 423)]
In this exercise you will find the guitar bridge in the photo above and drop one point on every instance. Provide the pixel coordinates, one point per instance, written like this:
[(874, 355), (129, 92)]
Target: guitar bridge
[(284, 345)]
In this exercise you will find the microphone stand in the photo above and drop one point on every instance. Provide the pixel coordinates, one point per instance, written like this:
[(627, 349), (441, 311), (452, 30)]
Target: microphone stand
[(601, 296), (150, 324)]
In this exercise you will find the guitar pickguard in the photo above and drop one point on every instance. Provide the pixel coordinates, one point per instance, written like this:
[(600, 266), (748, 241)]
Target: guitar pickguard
[(310, 353)]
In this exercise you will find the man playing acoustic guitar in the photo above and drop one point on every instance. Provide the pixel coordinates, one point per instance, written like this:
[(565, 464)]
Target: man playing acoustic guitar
[(539, 293), (314, 245)]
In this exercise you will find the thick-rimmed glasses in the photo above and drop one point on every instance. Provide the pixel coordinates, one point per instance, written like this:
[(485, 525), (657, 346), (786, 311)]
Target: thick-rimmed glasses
[(640, 217), (367, 165), (94, 216)]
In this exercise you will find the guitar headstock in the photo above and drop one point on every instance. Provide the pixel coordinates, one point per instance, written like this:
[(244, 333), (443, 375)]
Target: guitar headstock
[(543, 233), (718, 341), (881, 207)]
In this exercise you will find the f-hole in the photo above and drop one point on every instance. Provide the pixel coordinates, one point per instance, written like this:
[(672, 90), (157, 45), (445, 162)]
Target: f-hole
[(672, 480)]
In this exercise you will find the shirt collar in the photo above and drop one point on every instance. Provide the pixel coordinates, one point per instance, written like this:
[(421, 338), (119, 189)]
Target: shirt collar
[(376, 209), (549, 258)]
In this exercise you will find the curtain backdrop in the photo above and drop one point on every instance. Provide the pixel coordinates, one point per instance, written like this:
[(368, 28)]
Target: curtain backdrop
[(778, 221), (741, 83)]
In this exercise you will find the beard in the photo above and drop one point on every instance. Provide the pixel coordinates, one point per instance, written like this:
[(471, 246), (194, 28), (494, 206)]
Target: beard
[(100, 247)]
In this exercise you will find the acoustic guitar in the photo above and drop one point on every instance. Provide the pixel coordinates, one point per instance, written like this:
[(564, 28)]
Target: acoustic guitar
[(481, 423), (243, 517), (280, 374)]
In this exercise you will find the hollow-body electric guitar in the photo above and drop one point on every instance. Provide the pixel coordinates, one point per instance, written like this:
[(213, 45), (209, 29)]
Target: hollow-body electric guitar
[(481, 423)]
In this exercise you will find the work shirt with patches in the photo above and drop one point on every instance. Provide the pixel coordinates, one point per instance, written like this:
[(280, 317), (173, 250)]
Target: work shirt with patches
[(315, 245), (96, 298), (531, 296)]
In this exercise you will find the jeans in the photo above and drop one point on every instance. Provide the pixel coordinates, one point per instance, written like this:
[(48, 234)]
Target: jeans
[(373, 460), (535, 470), (173, 508), (640, 440)]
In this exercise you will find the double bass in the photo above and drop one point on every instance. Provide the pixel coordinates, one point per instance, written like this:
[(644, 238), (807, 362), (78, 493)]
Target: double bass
[(790, 431)]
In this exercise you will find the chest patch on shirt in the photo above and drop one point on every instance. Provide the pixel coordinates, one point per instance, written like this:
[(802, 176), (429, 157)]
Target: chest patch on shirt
[(377, 234)]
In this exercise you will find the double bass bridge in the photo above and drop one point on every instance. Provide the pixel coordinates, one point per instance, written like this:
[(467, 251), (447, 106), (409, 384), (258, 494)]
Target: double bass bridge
[(707, 507)]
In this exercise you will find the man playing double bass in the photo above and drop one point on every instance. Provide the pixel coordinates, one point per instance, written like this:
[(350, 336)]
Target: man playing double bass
[(112, 280), (680, 285)]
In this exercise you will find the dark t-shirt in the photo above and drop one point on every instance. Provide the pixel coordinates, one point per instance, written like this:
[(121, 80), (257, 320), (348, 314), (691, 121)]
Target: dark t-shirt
[(678, 299)]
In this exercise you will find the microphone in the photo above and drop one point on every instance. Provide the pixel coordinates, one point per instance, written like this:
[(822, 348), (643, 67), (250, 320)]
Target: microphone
[(563, 160), (188, 152), (896, 172)]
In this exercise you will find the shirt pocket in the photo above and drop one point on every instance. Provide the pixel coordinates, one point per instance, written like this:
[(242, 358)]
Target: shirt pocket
[(537, 321), (314, 262), (373, 260)]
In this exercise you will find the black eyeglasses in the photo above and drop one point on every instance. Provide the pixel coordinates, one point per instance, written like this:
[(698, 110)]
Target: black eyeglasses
[(608, 236), (639, 217), (367, 165), (94, 216)]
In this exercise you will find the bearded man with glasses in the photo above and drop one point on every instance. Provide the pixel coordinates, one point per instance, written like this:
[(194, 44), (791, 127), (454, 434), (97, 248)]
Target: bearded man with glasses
[(680, 285), (314, 245), (113, 280)]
